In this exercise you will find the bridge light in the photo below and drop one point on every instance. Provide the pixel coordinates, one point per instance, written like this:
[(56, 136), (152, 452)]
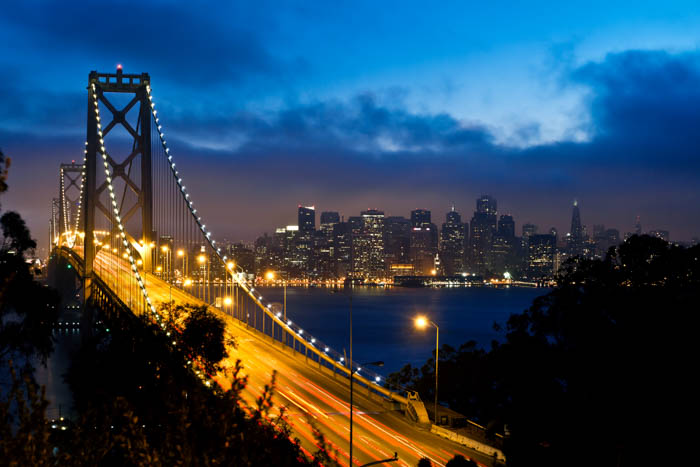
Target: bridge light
[(202, 259), (228, 301), (187, 282), (269, 275), (164, 248), (421, 322), (230, 265)]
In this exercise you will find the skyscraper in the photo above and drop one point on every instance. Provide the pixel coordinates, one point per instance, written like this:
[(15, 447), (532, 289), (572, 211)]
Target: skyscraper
[(576, 236), (420, 218), (342, 249), (369, 247), (503, 251), (397, 240), (423, 241), (328, 220), (483, 227), (541, 249), (452, 243), (307, 218)]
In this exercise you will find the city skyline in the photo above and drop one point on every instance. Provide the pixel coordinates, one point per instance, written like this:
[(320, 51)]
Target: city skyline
[(439, 216)]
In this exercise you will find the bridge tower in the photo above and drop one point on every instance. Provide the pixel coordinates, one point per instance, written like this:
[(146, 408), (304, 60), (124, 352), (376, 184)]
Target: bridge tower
[(69, 191), (134, 170)]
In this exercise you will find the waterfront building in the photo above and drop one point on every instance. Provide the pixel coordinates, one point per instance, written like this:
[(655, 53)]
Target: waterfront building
[(541, 253), (397, 240), (452, 239), (328, 220), (307, 218), (483, 227), (342, 249), (368, 247)]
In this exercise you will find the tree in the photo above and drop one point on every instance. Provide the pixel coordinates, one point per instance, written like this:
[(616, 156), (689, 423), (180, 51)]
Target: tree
[(204, 336), (28, 309), (599, 365)]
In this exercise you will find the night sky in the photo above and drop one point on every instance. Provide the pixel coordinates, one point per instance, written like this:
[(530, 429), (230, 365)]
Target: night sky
[(388, 105)]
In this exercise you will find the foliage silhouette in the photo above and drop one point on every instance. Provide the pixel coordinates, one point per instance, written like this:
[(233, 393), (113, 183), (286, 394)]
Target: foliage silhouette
[(598, 365)]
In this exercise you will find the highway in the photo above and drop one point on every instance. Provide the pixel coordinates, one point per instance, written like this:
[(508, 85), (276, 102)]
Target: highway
[(308, 394)]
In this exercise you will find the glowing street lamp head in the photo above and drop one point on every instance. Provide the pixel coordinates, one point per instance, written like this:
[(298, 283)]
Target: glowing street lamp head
[(421, 322), (230, 265), (270, 275), (139, 262), (187, 282), (202, 259), (180, 253), (164, 248), (159, 268), (433, 272), (227, 301)]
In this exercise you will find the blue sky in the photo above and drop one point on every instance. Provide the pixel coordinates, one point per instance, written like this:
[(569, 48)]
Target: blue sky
[(394, 105)]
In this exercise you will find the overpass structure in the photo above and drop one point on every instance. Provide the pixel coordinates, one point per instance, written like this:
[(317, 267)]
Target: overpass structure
[(135, 238)]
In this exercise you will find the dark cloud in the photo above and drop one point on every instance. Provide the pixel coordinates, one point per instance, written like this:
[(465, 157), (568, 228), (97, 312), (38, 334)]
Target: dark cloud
[(198, 45), (646, 107)]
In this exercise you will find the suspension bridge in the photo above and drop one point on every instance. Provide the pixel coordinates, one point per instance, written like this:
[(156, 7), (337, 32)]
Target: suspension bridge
[(127, 226)]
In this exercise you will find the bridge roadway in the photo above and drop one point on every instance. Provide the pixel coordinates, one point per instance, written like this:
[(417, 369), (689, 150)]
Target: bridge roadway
[(309, 393)]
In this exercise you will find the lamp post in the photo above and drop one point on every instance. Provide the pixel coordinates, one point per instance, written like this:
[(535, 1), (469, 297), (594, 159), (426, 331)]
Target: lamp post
[(352, 375), (201, 259), (166, 260), (421, 323), (231, 267), (181, 254)]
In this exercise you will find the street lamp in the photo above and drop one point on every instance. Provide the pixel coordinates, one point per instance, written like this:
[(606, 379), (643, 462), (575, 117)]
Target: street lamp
[(202, 259), (270, 275), (181, 254), (352, 374), (422, 322), (166, 251)]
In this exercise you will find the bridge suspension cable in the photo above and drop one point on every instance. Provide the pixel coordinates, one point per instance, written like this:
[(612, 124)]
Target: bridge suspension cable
[(170, 255)]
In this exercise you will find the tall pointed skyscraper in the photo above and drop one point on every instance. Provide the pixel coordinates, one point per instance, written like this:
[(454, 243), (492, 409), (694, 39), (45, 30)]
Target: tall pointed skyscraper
[(576, 239)]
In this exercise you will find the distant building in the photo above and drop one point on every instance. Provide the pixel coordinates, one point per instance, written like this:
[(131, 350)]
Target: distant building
[(342, 249), (540, 258), (397, 240), (638, 226), (368, 247), (420, 218), (328, 220), (529, 229), (504, 248), (604, 239), (662, 234), (423, 241), (307, 218), (452, 243), (483, 227), (576, 237)]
